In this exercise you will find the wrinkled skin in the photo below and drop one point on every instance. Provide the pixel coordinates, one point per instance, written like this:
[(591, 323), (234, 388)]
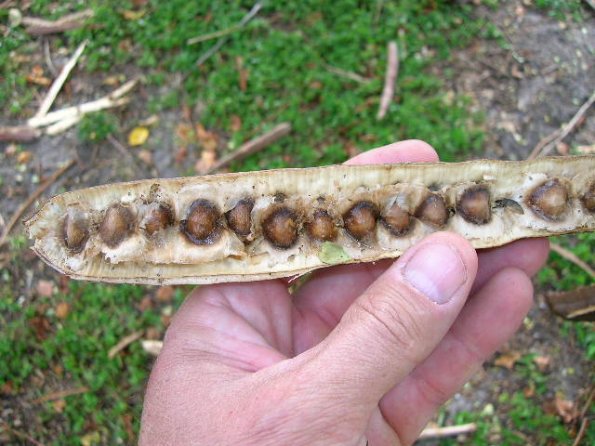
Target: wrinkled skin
[(360, 353)]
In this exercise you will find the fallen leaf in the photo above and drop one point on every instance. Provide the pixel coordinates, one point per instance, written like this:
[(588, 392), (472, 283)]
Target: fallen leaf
[(62, 310), (529, 391), (208, 140), (145, 156), (236, 123), (138, 136), (566, 409), (146, 303), (165, 293), (507, 360), (59, 405), (41, 327), (243, 73), (91, 439), (542, 362), (45, 288), (133, 15), (24, 157), (206, 161), (36, 76), (181, 154), (6, 388)]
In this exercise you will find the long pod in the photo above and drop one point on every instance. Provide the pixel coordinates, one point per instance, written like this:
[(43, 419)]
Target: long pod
[(280, 223)]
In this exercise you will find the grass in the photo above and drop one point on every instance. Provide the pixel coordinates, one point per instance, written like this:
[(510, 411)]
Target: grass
[(285, 54)]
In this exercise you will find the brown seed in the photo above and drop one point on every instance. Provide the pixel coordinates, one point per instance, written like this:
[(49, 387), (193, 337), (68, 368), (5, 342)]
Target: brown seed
[(117, 224), (239, 219), (474, 205), (158, 218), (433, 211), (396, 220), (75, 232), (201, 227), (589, 198), (360, 219), (280, 227), (322, 226), (549, 200)]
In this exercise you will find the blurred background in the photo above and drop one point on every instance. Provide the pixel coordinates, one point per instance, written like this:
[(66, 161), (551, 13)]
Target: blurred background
[(189, 87)]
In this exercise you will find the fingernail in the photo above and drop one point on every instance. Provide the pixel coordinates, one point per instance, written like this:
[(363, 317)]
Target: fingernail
[(437, 271)]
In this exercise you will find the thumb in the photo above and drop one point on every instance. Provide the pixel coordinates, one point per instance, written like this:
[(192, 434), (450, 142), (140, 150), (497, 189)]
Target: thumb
[(397, 322)]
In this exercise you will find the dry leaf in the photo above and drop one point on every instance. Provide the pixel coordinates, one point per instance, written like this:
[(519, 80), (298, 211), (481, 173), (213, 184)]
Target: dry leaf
[(133, 15), (36, 76), (507, 360), (45, 288), (236, 123), (138, 136), (243, 73), (6, 388), (529, 391), (41, 326), (91, 439), (542, 362), (165, 293), (24, 157), (566, 409), (62, 310), (59, 405), (206, 161), (208, 140), (146, 303), (145, 156)]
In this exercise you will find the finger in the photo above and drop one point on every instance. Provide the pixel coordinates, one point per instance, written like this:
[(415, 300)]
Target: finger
[(409, 151), (397, 322), (486, 322), (528, 255)]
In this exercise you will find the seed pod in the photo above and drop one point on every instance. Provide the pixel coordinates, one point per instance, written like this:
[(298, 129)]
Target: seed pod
[(396, 220), (589, 198), (117, 224), (321, 226), (201, 226), (549, 200), (474, 205), (75, 231), (239, 219), (433, 211), (360, 219), (280, 227), (158, 218)]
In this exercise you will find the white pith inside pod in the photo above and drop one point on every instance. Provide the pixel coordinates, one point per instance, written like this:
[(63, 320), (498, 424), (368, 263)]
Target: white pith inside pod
[(183, 230)]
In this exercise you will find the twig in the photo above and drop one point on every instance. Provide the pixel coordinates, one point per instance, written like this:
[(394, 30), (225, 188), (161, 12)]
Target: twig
[(392, 71), (124, 342), (20, 434), (59, 82), (152, 347), (21, 133), (348, 74), (562, 133), (213, 35), (572, 257), (60, 394), (574, 305), (40, 27), (114, 99), (40, 189), (448, 431), (223, 40), (48, 57), (252, 146), (581, 432), (66, 123)]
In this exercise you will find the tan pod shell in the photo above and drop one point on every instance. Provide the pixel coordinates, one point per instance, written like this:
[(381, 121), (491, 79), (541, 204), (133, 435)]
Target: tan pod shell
[(514, 201)]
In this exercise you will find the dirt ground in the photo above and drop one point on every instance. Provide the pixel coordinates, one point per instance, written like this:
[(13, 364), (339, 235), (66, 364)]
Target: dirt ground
[(527, 83)]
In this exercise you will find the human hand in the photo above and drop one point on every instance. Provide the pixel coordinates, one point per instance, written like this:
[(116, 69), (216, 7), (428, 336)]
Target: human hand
[(360, 353)]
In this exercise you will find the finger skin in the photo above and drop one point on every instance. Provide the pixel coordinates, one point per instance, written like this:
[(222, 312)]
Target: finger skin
[(487, 321)]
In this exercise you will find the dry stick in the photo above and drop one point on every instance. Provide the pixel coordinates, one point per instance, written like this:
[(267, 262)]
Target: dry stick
[(564, 131), (213, 35), (252, 146), (577, 304), (23, 207), (20, 434), (20, 133), (59, 82), (48, 57), (571, 257), (112, 100), (348, 74), (581, 432), (448, 431), (40, 27), (60, 394), (207, 55), (392, 70), (152, 347), (125, 342)]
